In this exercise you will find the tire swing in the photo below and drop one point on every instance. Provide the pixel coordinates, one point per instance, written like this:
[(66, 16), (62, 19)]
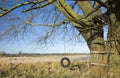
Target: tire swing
[(65, 61)]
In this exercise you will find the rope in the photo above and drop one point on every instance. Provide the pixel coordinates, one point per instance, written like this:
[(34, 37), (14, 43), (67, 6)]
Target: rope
[(65, 40)]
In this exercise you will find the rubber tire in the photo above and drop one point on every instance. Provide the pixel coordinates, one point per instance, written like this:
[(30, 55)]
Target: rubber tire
[(62, 62)]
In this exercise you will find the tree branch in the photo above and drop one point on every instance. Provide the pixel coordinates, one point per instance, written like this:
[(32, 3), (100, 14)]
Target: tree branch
[(17, 6), (68, 9), (50, 25), (40, 6), (93, 11), (85, 5), (101, 3), (4, 9)]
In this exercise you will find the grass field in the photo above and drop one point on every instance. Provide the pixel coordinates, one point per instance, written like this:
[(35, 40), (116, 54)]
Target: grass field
[(48, 66)]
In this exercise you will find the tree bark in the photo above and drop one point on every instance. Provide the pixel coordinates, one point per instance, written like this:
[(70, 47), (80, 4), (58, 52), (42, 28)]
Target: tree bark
[(97, 45), (95, 41), (113, 43)]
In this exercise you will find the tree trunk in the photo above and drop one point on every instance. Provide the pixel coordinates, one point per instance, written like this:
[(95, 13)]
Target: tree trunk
[(97, 45), (95, 41), (113, 43)]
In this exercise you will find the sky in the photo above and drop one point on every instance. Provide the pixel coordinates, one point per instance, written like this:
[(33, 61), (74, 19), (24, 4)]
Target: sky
[(16, 47), (58, 47), (29, 45)]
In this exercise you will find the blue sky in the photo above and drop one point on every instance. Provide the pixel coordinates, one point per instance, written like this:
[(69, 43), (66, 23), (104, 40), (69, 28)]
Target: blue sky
[(28, 46), (31, 48)]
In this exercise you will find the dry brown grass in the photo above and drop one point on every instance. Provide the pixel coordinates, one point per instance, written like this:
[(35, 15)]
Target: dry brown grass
[(48, 67), (39, 67)]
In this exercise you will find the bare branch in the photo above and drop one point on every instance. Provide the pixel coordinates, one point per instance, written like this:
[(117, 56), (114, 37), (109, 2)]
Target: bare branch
[(101, 3), (40, 6), (4, 9), (68, 9), (17, 6), (50, 25), (84, 8), (90, 13), (45, 38)]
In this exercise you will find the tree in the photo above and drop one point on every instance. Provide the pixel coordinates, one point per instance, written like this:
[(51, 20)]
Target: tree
[(2, 53), (95, 15), (20, 52)]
